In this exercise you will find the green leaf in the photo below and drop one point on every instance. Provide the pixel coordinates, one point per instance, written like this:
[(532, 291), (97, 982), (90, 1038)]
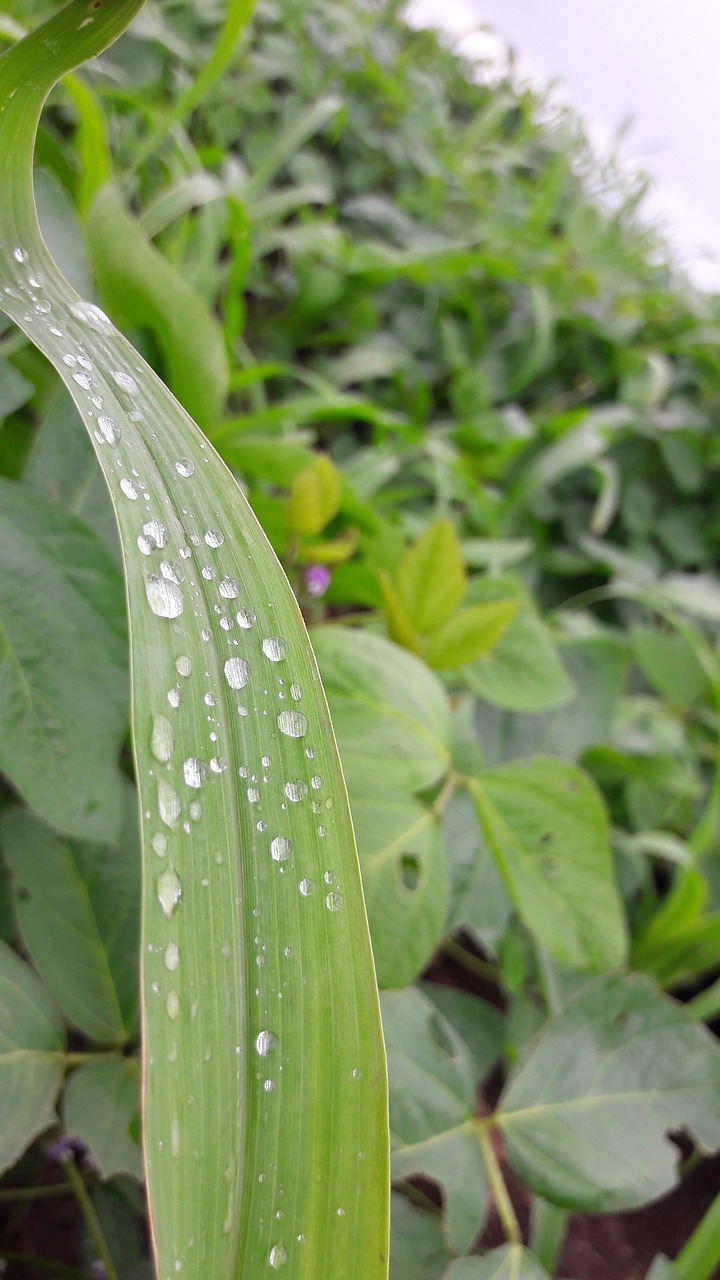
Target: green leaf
[(399, 628), (78, 910), (143, 290), (245, 1094), (479, 1024), (669, 663), (314, 497), (432, 1099), (584, 1117), (480, 902), (524, 671), (431, 577), (547, 828), (61, 614), (509, 1262), (417, 1251), (31, 1061), (15, 390), (469, 634), (390, 713), (102, 1108)]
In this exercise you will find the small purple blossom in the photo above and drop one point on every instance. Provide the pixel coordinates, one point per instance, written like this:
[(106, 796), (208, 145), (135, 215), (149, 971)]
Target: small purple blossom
[(317, 579), (66, 1147)]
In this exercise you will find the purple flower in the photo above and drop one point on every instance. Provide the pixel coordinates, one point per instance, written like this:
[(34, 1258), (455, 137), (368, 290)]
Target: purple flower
[(317, 579)]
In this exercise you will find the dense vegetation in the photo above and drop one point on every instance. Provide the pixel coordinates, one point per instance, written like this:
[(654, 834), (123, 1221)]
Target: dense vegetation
[(473, 408)]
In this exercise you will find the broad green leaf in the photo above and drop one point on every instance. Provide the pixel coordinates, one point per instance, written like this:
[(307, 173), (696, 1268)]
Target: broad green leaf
[(398, 625), (31, 1059), (509, 1262), (15, 390), (479, 1024), (78, 910), (391, 715), (480, 901), (143, 290), (669, 663), (314, 497), (469, 634), (62, 230), (251, 884), (431, 577), (119, 1205), (524, 671), (432, 1098), (547, 828), (417, 1251), (61, 611), (586, 1114), (102, 1107)]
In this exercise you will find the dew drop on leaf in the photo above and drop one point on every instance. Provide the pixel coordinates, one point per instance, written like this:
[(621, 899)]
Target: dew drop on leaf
[(316, 782), (265, 1043), (334, 901), (125, 382), (229, 588), (185, 467), (278, 1256), (183, 666), (172, 1004), (214, 538), (165, 598), (128, 488), (194, 771), (236, 673), (280, 849), (275, 648), (295, 692), (292, 723), (245, 619), (169, 892), (172, 956), (218, 764), (296, 790), (109, 430), (173, 698), (306, 887), (162, 742), (169, 805), (156, 533), (159, 844)]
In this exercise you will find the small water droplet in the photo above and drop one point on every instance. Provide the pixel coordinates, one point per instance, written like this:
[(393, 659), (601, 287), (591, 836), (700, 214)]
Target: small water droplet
[(185, 467), (288, 951), (268, 1086), (183, 666), (292, 723), (296, 790), (334, 901), (296, 692), (169, 892), (165, 598), (83, 380), (169, 805), (322, 832), (162, 742), (245, 619), (341, 1213), (266, 1042), (306, 887), (280, 849), (275, 648), (242, 711), (310, 753), (253, 795), (145, 546), (278, 1256), (218, 764), (172, 956), (236, 673), (128, 488), (109, 430), (329, 877), (125, 382), (159, 844), (209, 699), (316, 782), (194, 771), (214, 538), (229, 588), (196, 811), (208, 572), (20, 255), (172, 1004), (156, 532), (205, 635), (173, 697)]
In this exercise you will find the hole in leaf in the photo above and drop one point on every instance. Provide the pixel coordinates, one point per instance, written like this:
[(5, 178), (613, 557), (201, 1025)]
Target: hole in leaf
[(410, 870)]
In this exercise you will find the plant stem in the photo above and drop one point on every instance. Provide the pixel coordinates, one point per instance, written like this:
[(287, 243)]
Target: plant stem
[(701, 1255), (91, 1219), (473, 964), (498, 1187), (548, 1225), (35, 1193)]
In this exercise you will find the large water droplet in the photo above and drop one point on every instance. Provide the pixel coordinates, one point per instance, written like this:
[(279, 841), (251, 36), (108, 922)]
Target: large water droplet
[(109, 430), (172, 956), (334, 901), (194, 771), (172, 1004), (162, 741), (169, 805), (156, 532), (169, 892), (165, 598), (229, 588), (292, 723), (296, 790), (125, 382), (278, 1256), (145, 546), (214, 538), (83, 380), (92, 316), (266, 1043), (306, 887), (275, 648), (280, 849), (236, 673), (245, 619), (185, 467), (183, 666), (128, 488)]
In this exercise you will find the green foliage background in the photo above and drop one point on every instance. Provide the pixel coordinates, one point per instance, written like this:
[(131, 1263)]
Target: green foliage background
[(452, 370)]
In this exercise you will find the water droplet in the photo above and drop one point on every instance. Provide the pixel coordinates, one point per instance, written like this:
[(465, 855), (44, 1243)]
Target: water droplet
[(322, 832), (83, 380), (145, 546), (280, 849), (275, 648), (109, 430), (341, 1213), (169, 892), (268, 1086), (173, 697), (159, 844), (172, 956), (91, 315), (169, 805), (356, 1074), (183, 666), (128, 488), (296, 790), (165, 598), (329, 877), (195, 811), (253, 795), (306, 887), (20, 255), (310, 753), (316, 782), (185, 467), (208, 572), (218, 764), (265, 762), (334, 901), (70, 360), (292, 723), (266, 1043), (156, 532), (185, 553), (226, 623), (125, 382), (205, 635), (209, 699), (278, 1256), (194, 771), (229, 588), (296, 692), (288, 951), (236, 673), (214, 538), (162, 742), (245, 619), (242, 711), (172, 1004)]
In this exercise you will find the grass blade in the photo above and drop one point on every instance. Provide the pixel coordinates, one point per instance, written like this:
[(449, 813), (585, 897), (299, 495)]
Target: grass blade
[(264, 1074)]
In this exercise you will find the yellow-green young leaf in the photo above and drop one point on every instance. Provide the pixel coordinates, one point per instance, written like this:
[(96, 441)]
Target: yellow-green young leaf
[(263, 1070), (469, 634), (431, 577), (142, 290), (314, 497), (336, 551), (398, 625)]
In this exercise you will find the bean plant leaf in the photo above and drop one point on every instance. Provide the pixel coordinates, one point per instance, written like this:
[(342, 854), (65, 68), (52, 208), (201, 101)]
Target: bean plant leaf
[(585, 1116), (524, 671), (416, 1243), (78, 910), (432, 1097), (469, 634), (431, 577), (547, 828), (264, 1070), (102, 1107), (61, 613), (31, 1058), (509, 1262)]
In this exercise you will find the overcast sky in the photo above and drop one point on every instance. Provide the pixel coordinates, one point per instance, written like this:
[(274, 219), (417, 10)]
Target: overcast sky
[(657, 60)]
